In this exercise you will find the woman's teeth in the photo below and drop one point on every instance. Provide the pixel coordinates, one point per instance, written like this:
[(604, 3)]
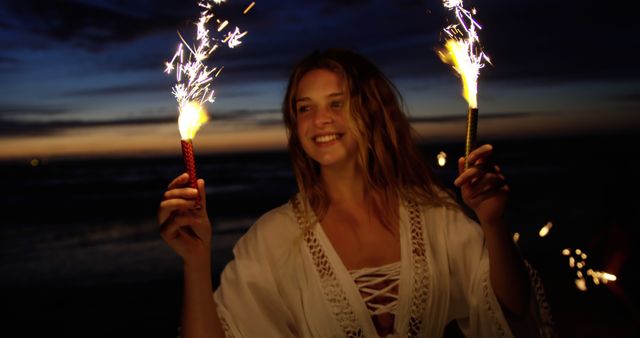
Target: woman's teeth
[(326, 138)]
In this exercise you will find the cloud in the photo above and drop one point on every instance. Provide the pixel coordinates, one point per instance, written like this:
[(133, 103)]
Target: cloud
[(8, 61), (551, 41), (21, 110), (485, 116), (132, 89), (13, 127), (92, 25)]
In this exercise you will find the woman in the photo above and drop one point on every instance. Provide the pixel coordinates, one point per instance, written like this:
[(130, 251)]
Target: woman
[(371, 245)]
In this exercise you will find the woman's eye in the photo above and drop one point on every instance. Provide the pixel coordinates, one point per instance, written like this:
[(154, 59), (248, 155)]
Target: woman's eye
[(302, 109), (336, 104)]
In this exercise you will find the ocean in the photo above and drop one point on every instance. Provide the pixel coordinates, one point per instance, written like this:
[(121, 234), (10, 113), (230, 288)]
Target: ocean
[(80, 254)]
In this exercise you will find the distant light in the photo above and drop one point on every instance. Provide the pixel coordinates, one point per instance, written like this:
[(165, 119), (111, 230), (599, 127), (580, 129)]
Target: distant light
[(516, 237), (34, 162), (566, 252), (545, 229), (442, 158)]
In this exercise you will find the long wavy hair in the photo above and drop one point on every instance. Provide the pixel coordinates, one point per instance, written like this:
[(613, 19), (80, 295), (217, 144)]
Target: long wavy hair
[(391, 163)]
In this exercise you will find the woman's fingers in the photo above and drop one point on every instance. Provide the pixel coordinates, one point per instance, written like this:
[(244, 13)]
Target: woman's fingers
[(173, 225), (487, 183), (179, 181), (183, 193), (483, 151), (202, 192), (168, 207), (473, 173)]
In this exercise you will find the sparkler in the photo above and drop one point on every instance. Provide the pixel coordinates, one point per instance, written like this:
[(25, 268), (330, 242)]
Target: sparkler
[(463, 52), (194, 78)]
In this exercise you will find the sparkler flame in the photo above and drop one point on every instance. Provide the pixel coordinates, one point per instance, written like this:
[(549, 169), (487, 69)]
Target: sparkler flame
[(191, 117), (462, 50), (193, 86)]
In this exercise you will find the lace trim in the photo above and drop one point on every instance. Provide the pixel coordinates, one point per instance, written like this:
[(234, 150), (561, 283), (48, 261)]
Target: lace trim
[(379, 287), (545, 325), (226, 328), (490, 310), (331, 288), (421, 275)]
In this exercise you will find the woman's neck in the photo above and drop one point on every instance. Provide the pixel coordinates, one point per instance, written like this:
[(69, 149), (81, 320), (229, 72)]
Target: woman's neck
[(344, 185)]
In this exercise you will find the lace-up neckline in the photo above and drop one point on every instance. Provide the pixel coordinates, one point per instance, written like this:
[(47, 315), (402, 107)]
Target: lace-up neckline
[(379, 287)]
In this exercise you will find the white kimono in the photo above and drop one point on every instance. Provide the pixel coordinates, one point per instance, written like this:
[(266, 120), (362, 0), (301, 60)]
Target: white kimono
[(287, 281)]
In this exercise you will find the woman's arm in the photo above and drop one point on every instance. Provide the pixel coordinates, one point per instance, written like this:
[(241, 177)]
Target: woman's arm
[(484, 190), (199, 315), (186, 228)]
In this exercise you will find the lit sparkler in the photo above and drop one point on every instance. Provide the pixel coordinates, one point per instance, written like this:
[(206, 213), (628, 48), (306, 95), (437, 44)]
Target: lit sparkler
[(194, 78), (464, 53)]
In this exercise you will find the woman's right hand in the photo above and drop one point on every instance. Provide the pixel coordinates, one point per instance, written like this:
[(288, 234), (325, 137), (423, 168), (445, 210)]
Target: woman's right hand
[(184, 226)]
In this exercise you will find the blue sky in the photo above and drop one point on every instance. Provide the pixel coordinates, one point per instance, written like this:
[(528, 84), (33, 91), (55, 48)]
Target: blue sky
[(86, 77)]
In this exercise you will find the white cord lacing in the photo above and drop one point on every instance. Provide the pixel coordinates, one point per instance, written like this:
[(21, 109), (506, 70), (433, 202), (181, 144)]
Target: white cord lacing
[(379, 287)]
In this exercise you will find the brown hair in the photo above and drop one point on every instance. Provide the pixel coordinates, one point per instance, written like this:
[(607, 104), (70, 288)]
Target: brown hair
[(393, 167)]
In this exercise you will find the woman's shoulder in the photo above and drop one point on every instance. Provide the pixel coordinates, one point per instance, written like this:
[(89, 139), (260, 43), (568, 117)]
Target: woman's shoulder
[(276, 219), (273, 228)]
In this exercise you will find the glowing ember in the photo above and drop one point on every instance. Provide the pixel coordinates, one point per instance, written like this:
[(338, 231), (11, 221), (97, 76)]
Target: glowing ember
[(249, 8), (581, 284), (545, 229)]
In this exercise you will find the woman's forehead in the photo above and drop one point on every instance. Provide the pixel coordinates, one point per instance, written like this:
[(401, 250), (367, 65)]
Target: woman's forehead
[(320, 82)]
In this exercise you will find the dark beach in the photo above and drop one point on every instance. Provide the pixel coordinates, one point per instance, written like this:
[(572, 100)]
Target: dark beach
[(80, 255)]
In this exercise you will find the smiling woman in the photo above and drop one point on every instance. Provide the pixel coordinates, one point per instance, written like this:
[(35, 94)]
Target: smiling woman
[(371, 245)]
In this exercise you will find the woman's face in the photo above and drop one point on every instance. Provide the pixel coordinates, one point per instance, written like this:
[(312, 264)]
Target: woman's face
[(321, 107)]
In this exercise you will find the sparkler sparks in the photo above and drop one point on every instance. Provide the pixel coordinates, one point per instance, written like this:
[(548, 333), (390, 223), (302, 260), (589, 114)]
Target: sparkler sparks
[(462, 49), (193, 86), (579, 262)]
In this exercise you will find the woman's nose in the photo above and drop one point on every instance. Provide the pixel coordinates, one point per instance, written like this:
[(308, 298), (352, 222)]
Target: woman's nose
[(322, 116)]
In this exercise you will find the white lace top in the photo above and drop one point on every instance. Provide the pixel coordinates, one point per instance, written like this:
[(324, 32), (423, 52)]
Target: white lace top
[(286, 280)]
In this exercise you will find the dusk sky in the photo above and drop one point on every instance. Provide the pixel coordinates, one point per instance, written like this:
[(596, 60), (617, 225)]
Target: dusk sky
[(86, 77)]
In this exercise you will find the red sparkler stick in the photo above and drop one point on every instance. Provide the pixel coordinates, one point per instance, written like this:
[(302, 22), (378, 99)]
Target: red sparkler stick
[(190, 165)]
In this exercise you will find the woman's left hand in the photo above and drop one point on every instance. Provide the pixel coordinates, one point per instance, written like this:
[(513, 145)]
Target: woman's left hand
[(483, 186)]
